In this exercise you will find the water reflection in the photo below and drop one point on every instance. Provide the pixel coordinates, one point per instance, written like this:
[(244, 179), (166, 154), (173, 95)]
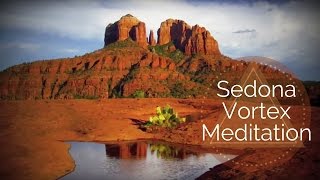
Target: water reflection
[(127, 150), (167, 152), (140, 160), (138, 150)]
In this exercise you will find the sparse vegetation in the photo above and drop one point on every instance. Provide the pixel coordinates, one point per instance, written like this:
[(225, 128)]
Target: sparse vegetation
[(122, 44), (138, 94), (132, 73), (179, 90), (165, 117), (117, 90), (164, 50), (77, 96)]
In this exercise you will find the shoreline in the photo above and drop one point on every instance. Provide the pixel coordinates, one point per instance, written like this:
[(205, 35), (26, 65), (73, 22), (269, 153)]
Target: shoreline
[(34, 132), (199, 148)]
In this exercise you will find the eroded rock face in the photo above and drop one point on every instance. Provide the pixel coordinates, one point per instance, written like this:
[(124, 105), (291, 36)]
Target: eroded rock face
[(173, 30), (201, 42), (127, 27), (152, 41), (153, 70), (90, 76), (123, 69), (190, 40)]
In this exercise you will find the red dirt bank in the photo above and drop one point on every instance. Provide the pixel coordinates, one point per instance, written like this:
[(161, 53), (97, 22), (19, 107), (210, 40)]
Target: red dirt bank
[(33, 132)]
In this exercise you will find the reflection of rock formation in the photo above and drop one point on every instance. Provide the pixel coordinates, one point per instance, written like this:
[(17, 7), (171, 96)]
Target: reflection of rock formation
[(139, 150), (127, 150)]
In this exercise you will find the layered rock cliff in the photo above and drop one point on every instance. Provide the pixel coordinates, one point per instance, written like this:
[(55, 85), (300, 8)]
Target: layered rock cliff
[(125, 65), (190, 40)]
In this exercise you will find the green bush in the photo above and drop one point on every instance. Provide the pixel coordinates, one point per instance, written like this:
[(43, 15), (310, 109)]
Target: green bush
[(163, 50), (165, 117), (77, 96), (138, 94), (178, 90), (122, 44)]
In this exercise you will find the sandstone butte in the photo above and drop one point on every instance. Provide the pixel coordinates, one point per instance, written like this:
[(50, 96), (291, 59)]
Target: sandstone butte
[(190, 40), (183, 63), (127, 27)]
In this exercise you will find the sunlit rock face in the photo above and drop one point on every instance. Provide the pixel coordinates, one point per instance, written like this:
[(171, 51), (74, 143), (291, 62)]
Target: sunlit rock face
[(127, 27)]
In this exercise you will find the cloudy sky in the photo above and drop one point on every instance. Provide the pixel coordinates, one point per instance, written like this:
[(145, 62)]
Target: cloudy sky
[(287, 31)]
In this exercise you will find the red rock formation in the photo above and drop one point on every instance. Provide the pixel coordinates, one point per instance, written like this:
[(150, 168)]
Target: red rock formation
[(152, 41), (171, 30), (127, 27), (121, 71), (201, 42), (191, 40), (139, 34)]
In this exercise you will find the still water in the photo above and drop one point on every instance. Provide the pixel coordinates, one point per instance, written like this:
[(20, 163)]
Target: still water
[(140, 160)]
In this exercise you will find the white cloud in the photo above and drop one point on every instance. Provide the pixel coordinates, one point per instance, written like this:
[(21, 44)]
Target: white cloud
[(21, 45), (70, 50)]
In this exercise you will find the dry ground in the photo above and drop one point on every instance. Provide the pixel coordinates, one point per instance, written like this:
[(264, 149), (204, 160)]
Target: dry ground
[(32, 132), (32, 135)]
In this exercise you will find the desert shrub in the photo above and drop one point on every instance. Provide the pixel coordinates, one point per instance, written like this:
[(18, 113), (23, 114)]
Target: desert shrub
[(165, 117), (138, 94), (122, 44), (178, 90), (132, 73), (116, 93), (176, 56), (163, 50), (77, 96)]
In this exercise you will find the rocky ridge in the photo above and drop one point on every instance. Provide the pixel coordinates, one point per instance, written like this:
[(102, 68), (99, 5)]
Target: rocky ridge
[(184, 63)]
